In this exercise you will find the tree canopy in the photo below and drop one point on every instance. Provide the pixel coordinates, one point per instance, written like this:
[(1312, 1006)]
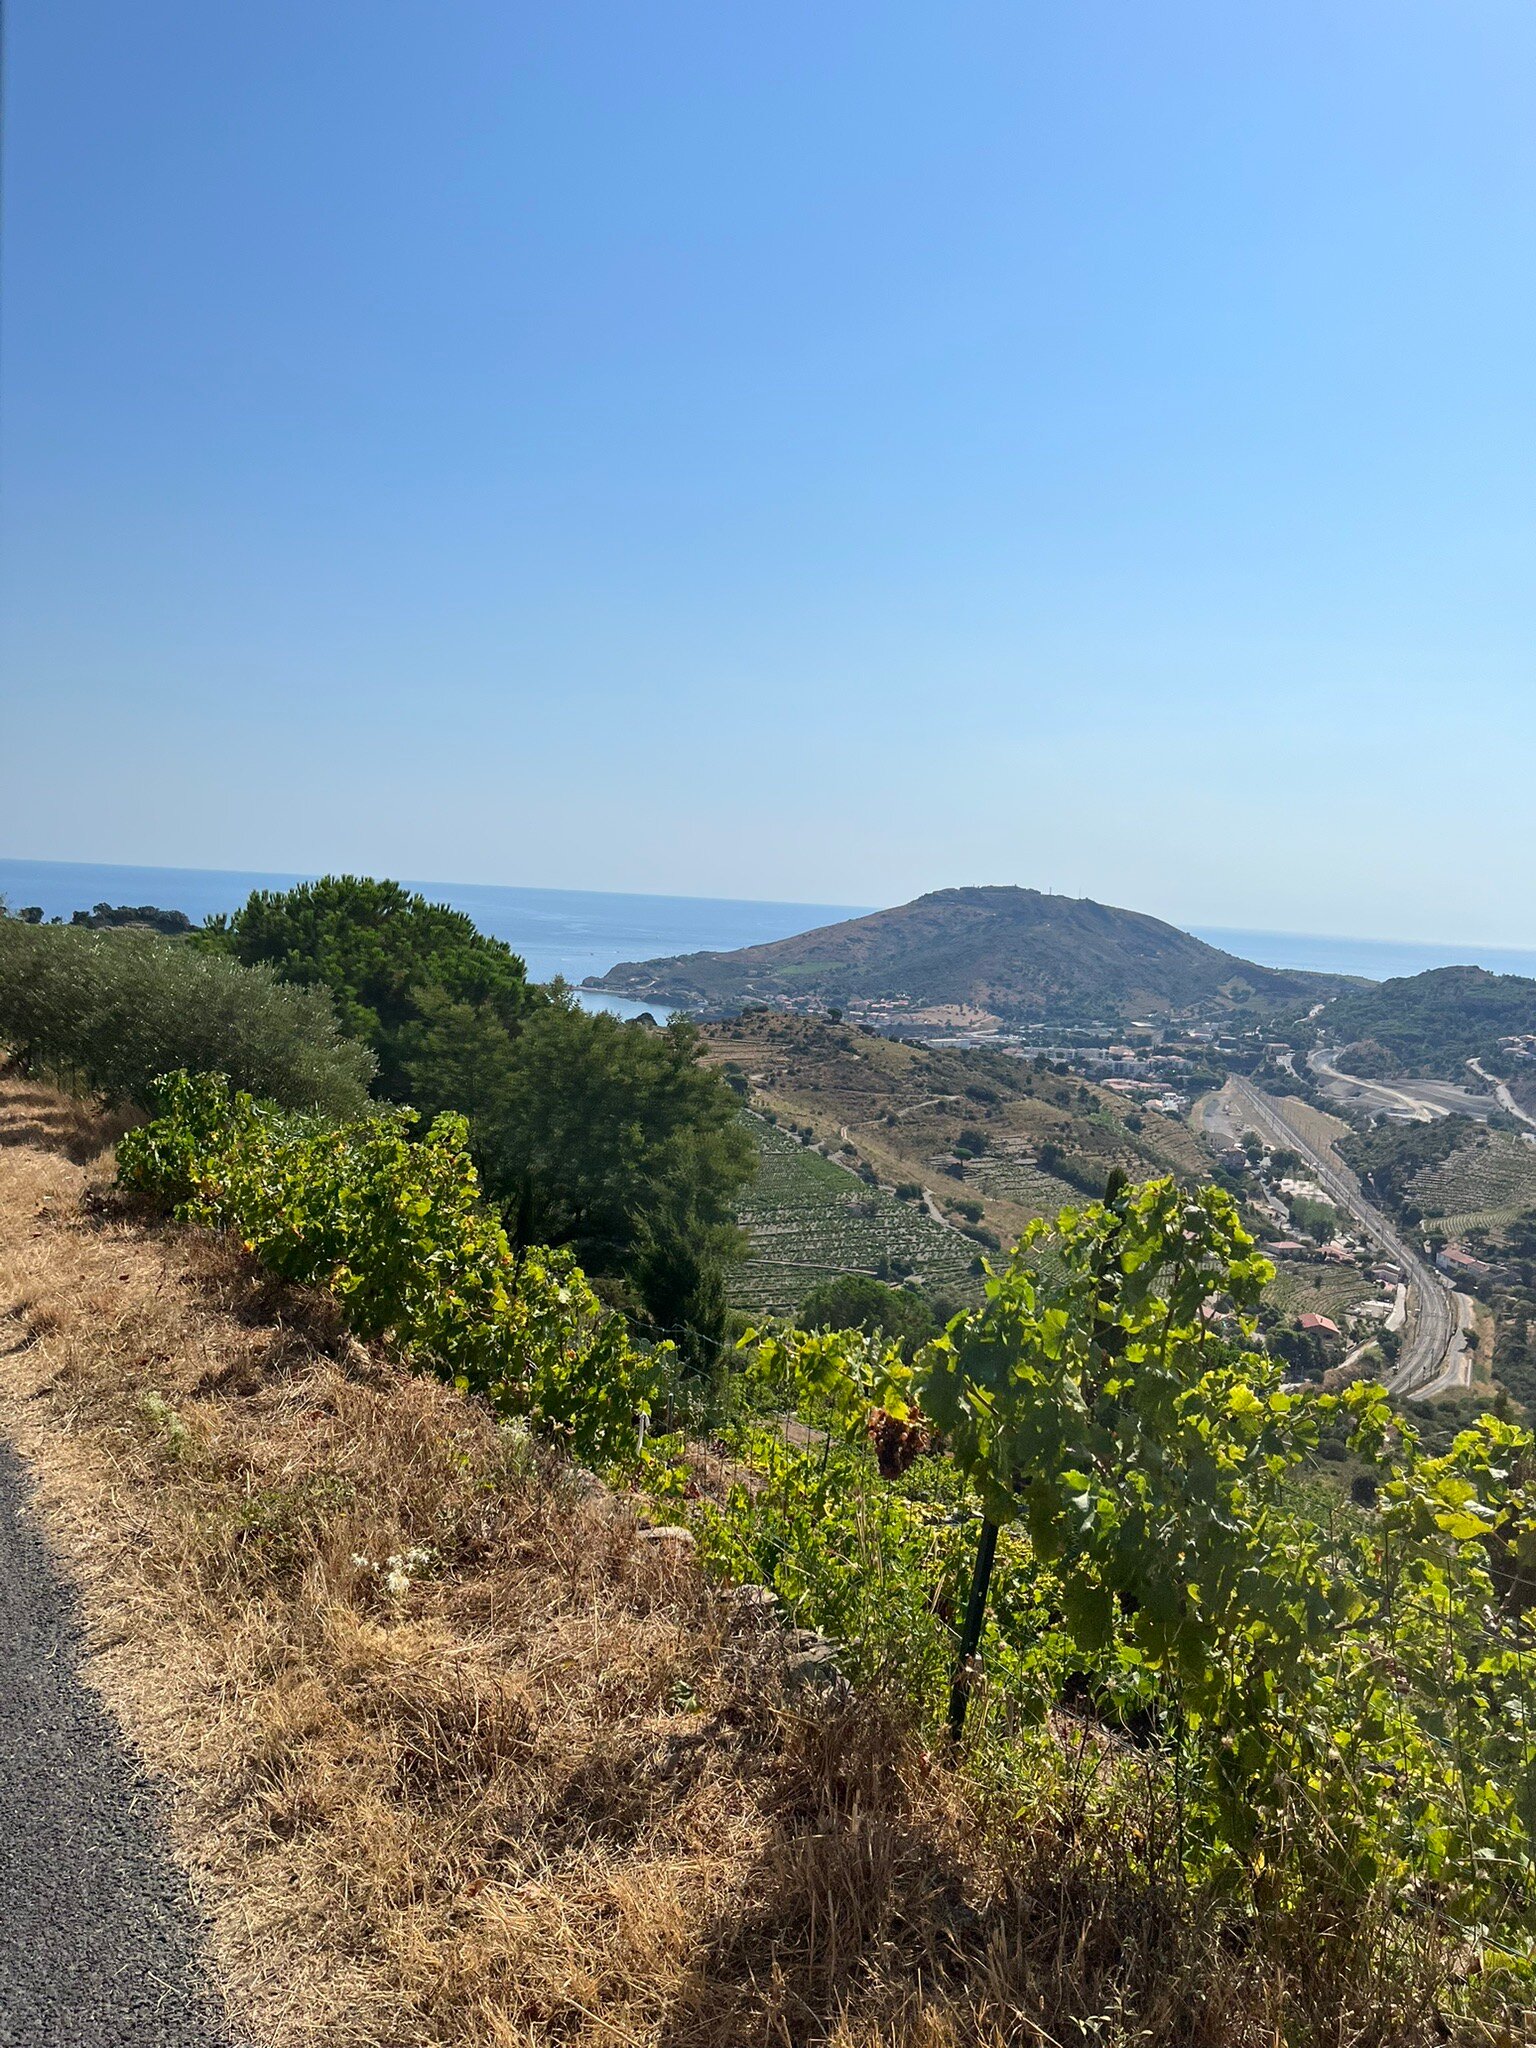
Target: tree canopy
[(607, 1137), (591, 1132), (855, 1301), (379, 949), (1432, 1023)]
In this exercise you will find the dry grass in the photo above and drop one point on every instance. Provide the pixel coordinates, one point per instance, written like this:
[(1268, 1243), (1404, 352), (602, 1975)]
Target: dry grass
[(38, 1116), (552, 1791)]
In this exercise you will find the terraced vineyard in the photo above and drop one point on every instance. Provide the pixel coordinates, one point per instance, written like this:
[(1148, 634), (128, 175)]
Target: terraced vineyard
[(1014, 1177), (1484, 1183), (1462, 1222), (969, 1125), (1299, 1289), (807, 1219)]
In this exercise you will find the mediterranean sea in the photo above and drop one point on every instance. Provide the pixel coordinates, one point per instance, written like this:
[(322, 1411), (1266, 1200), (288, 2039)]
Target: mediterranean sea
[(571, 932), (1374, 959), (577, 932)]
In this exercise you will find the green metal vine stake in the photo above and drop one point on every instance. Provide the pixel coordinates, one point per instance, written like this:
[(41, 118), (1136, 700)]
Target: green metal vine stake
[(970, 1637)]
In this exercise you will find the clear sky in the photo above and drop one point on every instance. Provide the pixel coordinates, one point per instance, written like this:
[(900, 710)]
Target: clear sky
[(800, 450)]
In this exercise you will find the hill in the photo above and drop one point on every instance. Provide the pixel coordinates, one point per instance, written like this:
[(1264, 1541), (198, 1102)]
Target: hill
[(973, 956), (1433, 1023), (980, 1138)]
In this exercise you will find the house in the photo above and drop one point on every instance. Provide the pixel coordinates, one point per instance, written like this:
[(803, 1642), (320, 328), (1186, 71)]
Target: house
[(1288, 1247), (1324, 1325), (1459, 1263)]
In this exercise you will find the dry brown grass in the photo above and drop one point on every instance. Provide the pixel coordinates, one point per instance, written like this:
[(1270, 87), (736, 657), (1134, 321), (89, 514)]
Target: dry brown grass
[(38, 1115), (554, 1792)]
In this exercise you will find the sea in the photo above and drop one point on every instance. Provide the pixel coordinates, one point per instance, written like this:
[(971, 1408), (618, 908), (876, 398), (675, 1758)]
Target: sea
[(577, 932), (1372, 959), (569, 932)]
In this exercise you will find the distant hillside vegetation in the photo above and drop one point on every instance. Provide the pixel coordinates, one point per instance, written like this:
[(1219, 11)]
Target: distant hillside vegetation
[(1012, 954), (1432, 1023)]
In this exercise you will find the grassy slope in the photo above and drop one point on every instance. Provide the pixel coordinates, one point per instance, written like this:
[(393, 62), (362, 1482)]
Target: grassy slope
[(556, 1791)]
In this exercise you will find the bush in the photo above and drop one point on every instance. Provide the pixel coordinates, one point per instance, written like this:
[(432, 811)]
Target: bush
[(588, 1132), (605, 1136), (110, 1010), (1341, 1695), (855, 1302), (395, 1229), (1086, 1175)]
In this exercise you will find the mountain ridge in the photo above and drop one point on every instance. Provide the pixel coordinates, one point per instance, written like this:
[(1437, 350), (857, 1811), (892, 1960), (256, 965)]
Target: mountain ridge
[(1001, 951), (1433, 1023)]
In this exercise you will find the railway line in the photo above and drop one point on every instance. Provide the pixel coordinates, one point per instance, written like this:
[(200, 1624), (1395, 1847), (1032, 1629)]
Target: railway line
[(1433, 1327)]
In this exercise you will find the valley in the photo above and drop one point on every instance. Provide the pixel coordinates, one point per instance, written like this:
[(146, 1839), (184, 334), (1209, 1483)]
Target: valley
[(969, 1145)]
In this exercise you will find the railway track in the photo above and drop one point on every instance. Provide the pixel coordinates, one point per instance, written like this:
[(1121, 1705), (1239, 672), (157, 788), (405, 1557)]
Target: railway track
[(1433, 1326)]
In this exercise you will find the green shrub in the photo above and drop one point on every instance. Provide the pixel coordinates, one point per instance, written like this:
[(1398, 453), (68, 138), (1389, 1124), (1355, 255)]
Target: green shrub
[(615, 1140), (395, 1228), (1343, 1694), (853, 1301), (110, 1010)]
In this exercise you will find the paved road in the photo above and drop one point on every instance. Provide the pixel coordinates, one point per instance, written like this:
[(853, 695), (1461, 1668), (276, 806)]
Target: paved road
[(1434, 1329), (1455, 1374), (1501, 1091), (98, 1936), (1426, 1101)]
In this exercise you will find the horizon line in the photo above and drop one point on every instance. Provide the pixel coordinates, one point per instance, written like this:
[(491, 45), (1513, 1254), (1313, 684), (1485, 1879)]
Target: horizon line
[(785, 902)]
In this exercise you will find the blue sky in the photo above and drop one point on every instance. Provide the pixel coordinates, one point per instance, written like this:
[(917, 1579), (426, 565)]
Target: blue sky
[(795, 452)]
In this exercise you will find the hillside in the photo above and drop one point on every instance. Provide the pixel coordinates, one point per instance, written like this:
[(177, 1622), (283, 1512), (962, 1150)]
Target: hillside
[(809, 1218), (993, 1139), (581, 1790), (1433, 1023), (1005, 954)]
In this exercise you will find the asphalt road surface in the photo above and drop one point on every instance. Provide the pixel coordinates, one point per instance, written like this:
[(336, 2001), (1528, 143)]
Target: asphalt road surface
[(1426, 1101), (1434, 1327), (1501, 1090), (99, 1940)]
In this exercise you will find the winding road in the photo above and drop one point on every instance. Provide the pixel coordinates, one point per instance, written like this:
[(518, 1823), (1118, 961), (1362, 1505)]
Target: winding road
[(1500, 1088), (1430, 1357), (1421, 1099)]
